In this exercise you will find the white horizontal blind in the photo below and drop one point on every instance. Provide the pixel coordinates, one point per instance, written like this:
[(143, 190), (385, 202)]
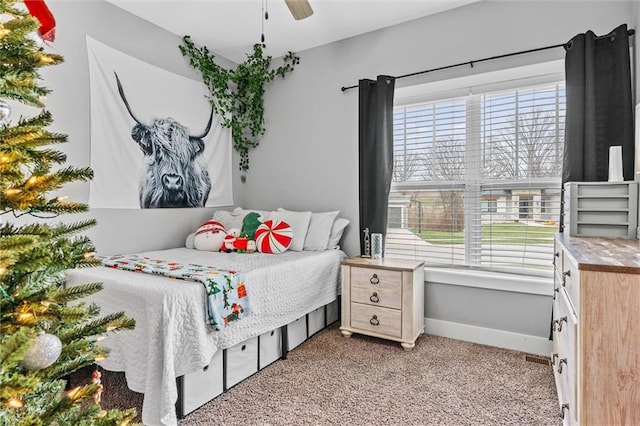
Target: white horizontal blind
[(477, 179)]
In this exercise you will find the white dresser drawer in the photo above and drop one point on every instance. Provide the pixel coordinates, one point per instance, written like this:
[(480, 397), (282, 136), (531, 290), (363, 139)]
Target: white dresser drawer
[(570, 280), (241, 361), (270, 347), (202, 386), (377, 319), (566, 394), (565, 324), (297, 332)]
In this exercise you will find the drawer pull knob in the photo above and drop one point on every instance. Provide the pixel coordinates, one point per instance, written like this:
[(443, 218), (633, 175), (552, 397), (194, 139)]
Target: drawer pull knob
[(564, 406), (205, 368), (243, 347), (557, 254), (374, 297), (562, 361), (565, 274), (554, 357), (374, 279), (374, 320), (559, 322)]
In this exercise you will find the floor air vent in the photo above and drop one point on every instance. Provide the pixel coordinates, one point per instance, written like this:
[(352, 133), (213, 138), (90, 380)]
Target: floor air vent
[(538, 359)]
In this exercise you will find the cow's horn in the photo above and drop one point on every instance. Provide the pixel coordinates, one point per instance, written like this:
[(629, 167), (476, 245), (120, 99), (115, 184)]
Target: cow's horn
[(207, 129), (124, 99)]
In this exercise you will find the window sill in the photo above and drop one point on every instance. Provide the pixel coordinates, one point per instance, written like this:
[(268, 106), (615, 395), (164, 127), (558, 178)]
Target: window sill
[(490, 280)]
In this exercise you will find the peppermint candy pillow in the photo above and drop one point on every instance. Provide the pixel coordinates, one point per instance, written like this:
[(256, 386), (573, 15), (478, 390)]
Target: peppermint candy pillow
[(273, 236)]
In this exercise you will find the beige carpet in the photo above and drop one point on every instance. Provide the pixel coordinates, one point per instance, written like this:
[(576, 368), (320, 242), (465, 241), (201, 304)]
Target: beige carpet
[(332, 380)]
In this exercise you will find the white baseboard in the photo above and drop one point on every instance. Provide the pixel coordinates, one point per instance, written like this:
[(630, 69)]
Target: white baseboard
[(488, 336)]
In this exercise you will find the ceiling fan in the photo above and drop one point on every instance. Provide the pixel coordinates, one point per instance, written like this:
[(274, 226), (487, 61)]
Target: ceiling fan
[(300, 9)]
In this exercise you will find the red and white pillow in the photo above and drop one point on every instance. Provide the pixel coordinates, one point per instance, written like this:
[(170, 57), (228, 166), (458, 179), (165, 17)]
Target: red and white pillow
[(273, 236), (209, 236)]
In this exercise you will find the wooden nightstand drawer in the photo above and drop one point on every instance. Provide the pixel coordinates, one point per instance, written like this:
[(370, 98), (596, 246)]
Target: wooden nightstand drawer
[(378, 319), (371, 278), (387, 296)]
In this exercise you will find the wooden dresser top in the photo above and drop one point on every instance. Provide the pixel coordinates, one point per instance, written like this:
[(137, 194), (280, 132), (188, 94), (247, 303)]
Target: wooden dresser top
[(384, 263), (603, 254)]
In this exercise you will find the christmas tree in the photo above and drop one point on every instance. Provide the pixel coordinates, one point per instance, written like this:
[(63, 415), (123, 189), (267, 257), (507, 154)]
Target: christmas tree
[(46, 330)]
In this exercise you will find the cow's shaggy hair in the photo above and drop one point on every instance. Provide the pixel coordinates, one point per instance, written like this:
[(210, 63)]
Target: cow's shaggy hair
[(175, 175)]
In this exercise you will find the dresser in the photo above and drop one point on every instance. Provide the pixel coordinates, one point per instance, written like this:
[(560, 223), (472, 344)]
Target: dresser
[(383, 298), (596, 330)]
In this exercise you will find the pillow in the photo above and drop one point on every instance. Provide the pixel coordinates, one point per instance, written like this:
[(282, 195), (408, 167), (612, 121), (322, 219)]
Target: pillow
[(232, 219), (250, 224), (319, 230), (299, 222), (189, 243), (209, 236), (336, 232), (273, 236), (264, 214)]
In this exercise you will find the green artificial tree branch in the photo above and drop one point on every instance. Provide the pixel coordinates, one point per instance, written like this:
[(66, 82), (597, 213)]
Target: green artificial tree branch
[(237, 95)]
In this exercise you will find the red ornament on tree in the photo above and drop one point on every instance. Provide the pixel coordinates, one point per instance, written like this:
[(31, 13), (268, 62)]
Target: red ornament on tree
[(39, 10)]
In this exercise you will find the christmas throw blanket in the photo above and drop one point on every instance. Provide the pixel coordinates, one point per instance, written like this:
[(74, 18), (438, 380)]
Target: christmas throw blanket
[(227, 299)]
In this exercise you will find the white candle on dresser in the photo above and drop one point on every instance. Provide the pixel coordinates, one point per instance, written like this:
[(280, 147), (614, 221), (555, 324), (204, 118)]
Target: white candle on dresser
[(615, 164)]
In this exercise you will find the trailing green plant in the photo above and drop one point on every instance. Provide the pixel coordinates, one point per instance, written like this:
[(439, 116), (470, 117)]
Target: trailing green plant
[(237, 95)]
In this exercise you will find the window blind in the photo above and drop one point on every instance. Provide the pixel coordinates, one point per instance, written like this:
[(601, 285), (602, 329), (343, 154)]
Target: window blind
[(477, 179)]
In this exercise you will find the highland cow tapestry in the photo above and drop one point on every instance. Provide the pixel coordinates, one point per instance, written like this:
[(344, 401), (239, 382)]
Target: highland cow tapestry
[(155, 142)]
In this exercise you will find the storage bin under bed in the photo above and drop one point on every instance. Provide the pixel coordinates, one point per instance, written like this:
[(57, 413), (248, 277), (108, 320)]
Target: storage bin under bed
[(235, 364)]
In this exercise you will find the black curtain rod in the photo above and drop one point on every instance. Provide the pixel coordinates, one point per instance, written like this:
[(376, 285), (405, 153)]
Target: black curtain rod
[(555, 46)]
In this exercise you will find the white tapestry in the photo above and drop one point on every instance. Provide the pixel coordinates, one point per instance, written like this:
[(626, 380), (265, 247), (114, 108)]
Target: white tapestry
[(154, 140)]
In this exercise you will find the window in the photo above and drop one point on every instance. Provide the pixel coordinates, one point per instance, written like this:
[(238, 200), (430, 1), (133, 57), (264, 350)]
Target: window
[(477, 179)]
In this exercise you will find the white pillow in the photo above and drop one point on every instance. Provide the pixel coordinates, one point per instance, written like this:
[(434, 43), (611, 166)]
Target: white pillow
[(319, 230), (336, 232), (189, 242), (299, 223), (232, 219)]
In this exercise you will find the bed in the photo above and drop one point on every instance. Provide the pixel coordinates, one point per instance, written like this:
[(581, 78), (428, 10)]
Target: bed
[(172, 339)]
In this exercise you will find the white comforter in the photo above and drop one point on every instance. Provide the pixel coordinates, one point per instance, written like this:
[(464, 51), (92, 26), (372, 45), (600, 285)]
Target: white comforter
[(172, 338)]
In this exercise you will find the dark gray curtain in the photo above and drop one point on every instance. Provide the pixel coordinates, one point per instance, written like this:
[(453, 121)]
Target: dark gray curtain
[(599, 106), (375, 130)]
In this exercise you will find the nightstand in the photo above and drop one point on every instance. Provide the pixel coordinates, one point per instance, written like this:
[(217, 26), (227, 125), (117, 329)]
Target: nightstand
[(383, 298)]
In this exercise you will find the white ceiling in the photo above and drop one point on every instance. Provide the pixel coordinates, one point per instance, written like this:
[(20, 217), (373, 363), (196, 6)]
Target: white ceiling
[(231, 28)]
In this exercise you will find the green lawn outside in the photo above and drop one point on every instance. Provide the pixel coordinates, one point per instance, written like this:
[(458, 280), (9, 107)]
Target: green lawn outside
[(508, 233)]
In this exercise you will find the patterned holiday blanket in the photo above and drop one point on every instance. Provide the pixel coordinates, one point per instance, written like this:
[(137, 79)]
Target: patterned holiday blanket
[(227, 299)]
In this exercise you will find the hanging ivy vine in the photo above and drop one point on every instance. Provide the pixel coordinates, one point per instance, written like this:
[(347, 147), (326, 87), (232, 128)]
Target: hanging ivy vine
[(237, 95)]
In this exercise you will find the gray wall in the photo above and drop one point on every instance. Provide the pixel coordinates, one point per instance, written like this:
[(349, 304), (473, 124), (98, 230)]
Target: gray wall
[(118, 230), (307, 160)]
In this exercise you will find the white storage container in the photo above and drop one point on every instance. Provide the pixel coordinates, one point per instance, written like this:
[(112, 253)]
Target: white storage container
[(270, 347), (333, 312), (601, 209), (241, 361), (200, 387), (297, 332), (315, 320)]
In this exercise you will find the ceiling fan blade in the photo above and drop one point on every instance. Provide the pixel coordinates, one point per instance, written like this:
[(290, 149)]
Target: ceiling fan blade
[(300, 9)]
